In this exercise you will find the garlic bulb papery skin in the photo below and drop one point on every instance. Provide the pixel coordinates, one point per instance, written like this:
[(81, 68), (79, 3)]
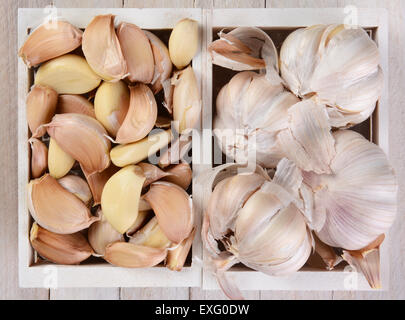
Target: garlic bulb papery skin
[(358, 201), (339, 66), (246, 48), (250, 114)]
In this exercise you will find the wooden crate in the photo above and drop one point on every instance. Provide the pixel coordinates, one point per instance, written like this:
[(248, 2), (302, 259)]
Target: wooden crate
[(278, 23), (95, 274)]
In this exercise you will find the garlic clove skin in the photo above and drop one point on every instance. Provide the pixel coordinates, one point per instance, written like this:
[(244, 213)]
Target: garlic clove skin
[(144, 205), (152, 173), (140, 221), (77, 186), (183, 42), (97, 181), (141, 116), (56, 209), (74, 103), (39, 157), (136, 152), (151, 235), (362, 189), (60, 248), (171, 203), (177, 151), (102, 49), (59, 162), (129, 255), (120, 197), (186, 99), (101, 234), (179, 174), (68, 74), (327, 254), (50, 40), (137, 52), (83, 138), (111, 105), (177, 257), (163, 122), (41, 105)]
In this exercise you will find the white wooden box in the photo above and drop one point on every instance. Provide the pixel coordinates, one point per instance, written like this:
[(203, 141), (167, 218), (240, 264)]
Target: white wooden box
[(95, 274), (280, 22)]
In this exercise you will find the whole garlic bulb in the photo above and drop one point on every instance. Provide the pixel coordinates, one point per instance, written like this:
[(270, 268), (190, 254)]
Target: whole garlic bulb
[(340, 66), (358, 201), (250, 108)]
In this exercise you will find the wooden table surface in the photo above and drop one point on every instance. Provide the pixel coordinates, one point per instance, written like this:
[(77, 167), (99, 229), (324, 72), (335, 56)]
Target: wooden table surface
[(9, 288)]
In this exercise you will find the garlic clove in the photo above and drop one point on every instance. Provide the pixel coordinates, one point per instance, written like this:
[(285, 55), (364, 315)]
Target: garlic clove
[(83, 138), (163, 69), (144, 205), (136, 152), (177, 151), (101, 234), (308, 141), (39, 157), (140, 221), (151, 235), (73, 103), (177, 257), (186, 99), (152, 173), (98, 180), (78, 186), (59, 162), (56, 209), (327, 254), (50, 40), (183, 42), (68, 74), (179, 174), (137, 52), (111, 105), (41, 104), (129, 255), (103, 50), (367, 261), (60, 248), (173, 209), (120, 197), (141, 116)]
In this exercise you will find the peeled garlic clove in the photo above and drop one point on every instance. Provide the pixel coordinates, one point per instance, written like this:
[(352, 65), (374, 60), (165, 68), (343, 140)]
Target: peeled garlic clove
[(120, 197), (56, 209), (73, 103), (140, 220), (39, 157), (141, 116), (111, 105), (152, 173), (60, 248), (183, 42), (308, 141), (78, 187), (50, 40), (177, 257), (101, 234), (59, 162), (41, 105), (367, 261), (178, 149), (83, 138), (97, 181), (129, 255), (173, 209), (151, 235), (137, 52), (136, 152), (186, 99), (180, 174), (103, 50), (67, 74)]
